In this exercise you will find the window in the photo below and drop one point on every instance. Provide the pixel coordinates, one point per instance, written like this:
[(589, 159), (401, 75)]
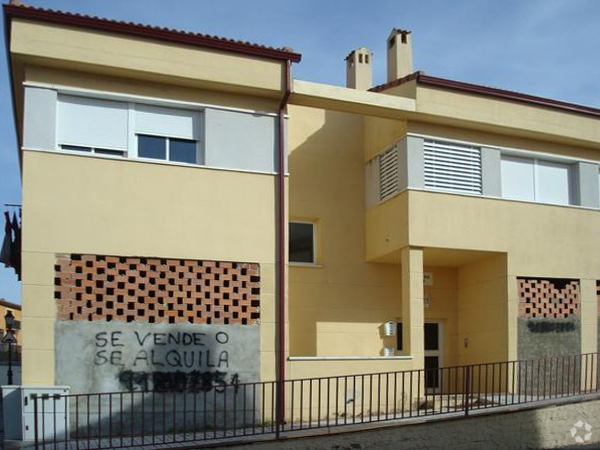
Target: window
[(107, 127), (452, 167), (170, 149), (302, 242), (97, 151), (92, 125), (536, 180), (168, 134)]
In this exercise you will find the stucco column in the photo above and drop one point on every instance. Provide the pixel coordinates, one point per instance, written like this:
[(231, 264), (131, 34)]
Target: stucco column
[(412, 304)]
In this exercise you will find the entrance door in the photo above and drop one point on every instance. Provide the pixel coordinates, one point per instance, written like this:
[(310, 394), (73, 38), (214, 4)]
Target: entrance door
[(433, 355)]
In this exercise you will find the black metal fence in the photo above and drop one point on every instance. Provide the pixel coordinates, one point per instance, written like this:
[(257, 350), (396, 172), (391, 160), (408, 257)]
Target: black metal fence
[(220, 411)]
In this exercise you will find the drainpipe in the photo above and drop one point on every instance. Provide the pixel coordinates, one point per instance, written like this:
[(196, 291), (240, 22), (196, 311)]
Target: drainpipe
[(281, 248)]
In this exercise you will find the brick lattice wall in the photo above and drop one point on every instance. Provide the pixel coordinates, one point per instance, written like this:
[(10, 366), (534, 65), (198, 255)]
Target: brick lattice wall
[(548, 298), (106, 288)]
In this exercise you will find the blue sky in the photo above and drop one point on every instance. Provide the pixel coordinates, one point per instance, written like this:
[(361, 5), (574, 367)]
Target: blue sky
[(542, 47)]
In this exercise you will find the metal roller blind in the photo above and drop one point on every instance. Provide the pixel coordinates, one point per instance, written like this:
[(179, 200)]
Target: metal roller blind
[(388, 173), (452, 167)]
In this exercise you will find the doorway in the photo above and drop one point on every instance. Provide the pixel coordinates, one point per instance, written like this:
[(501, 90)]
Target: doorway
[(433, 354), (432, 334)]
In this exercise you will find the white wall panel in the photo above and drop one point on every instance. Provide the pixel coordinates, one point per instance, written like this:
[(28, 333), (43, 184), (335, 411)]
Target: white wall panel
[(552, 182), (517, 178), (240, 141)]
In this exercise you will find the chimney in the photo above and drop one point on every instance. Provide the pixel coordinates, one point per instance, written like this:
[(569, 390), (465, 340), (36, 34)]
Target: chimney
[(358, 69), (399, 54)]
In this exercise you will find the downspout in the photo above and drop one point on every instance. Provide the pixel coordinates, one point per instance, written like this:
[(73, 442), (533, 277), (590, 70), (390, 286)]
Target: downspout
[(281, 248)]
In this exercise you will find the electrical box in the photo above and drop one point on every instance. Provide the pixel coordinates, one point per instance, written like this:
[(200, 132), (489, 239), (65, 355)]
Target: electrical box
[(389, 329), (389, 351), (19, 412)]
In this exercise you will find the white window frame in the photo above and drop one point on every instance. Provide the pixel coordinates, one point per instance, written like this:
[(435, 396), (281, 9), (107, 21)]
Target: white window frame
[(314, 263), (132, 136), (199, 155), (535, 161), (92, 150)]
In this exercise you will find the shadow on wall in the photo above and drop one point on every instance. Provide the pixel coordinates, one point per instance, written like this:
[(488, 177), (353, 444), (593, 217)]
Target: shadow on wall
[(327, 165)]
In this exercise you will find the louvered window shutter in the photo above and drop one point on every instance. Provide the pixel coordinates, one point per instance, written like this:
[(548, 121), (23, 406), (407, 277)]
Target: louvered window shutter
[(452, 167), (388, 173)]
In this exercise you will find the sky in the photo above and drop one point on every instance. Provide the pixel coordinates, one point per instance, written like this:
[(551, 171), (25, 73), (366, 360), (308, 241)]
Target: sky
[(548, 48)]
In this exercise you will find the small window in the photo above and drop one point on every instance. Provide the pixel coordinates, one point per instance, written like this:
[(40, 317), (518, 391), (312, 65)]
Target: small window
[(169, 149), (302, 242)]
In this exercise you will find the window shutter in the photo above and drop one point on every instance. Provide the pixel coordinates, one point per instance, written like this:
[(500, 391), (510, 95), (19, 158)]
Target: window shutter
[(452, 167), (169, 122), (553, 183), (91, 122), (388, 173)]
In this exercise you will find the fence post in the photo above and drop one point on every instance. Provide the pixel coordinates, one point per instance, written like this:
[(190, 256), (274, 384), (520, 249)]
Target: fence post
[(467, 388), (279, 405), (34, 397)]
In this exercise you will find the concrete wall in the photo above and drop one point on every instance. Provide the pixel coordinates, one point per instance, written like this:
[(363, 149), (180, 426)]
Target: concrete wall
[(539, 338), (117, 356), (532, 429)]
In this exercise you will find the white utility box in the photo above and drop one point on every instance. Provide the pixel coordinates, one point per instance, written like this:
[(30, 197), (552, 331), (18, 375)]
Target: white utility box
[(389, 329), (19, 412)]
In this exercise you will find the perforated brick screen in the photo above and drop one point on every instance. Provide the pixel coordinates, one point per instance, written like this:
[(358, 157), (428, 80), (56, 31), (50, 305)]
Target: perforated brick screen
[(106, 288), (551, 298)]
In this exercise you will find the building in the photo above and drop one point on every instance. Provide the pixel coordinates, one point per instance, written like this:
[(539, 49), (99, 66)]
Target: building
[(431, 222), (5, 307)]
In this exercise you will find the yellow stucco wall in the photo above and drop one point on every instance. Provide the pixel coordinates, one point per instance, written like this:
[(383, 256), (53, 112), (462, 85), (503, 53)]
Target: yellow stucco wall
[(337, 307), (483, 334), (526, 233), (97, 51), (443, 308), (104, 206), (380, 133), (485, 113)]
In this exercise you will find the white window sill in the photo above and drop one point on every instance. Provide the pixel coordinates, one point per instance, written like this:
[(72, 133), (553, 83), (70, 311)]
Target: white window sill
[(146, 161), (307, 265), (481, 196)]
